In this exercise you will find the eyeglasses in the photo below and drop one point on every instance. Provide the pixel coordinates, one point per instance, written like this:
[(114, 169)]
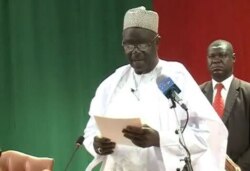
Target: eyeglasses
[(141, 46)]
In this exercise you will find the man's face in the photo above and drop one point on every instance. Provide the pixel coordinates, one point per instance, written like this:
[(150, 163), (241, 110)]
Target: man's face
[(140, 47), (220, 59)]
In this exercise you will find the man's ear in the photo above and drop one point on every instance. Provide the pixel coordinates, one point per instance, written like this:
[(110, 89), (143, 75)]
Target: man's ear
[(234, 57)]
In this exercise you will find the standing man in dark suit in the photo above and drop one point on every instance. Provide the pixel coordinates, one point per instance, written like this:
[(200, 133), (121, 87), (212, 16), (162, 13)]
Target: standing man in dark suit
[(235, 107)]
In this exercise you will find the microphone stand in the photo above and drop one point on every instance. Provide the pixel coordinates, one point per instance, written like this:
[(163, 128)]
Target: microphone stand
[(79, 142), (72, 156), (187, 159)]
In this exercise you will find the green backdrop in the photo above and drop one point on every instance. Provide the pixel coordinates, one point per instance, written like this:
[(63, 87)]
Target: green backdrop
[(53, 55)]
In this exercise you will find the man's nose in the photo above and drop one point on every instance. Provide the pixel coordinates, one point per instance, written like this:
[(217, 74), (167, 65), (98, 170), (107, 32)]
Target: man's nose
[(136, 49)]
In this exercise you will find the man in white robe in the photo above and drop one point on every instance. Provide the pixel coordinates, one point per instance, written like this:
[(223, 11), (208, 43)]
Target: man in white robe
[(132, 92)]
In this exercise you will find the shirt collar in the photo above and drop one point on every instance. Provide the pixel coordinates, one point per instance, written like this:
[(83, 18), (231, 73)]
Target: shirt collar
[(226, 83)]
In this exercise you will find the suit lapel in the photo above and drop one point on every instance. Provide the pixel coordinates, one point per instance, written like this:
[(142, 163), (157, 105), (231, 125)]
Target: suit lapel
[(208, 91), (231, 97)]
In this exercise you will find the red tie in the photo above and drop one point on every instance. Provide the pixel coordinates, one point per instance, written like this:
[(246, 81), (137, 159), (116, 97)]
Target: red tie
[(218, 101)]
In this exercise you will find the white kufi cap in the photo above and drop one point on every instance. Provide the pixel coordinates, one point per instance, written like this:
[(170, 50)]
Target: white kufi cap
[(140, 17)]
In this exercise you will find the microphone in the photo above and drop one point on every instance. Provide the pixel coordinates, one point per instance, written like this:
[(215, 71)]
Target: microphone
[(79, 142), (170, 89), (135, 93), (132, 90)]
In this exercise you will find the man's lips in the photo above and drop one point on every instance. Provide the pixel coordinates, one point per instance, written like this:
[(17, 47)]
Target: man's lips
[(216, 67), (138, 63), (136, 60)]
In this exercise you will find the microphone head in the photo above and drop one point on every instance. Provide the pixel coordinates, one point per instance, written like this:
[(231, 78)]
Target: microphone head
[(167, 85), (79, 140)]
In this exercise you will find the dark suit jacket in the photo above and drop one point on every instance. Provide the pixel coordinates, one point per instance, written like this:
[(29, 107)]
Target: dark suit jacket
[(237, 120)]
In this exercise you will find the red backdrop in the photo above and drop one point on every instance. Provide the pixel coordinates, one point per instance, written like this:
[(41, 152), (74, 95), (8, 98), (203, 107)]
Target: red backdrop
[(188, 26)]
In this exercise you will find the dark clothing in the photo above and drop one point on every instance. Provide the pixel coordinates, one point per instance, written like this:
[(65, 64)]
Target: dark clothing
[(237, 120)]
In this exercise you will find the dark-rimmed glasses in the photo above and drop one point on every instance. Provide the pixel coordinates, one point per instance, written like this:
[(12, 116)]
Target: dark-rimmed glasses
[(141, 46)]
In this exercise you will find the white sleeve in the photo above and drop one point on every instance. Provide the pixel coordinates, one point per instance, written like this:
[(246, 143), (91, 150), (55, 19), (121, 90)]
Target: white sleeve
[(89, 133)]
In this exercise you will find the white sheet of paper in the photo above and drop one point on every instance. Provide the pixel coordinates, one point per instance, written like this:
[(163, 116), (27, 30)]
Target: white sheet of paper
[(112, 128)]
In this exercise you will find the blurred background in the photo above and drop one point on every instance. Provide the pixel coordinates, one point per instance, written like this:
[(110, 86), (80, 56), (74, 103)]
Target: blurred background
[(54, 54)]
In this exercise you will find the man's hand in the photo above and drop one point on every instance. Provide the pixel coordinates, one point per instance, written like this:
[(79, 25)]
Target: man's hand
[(144, 136), (103, 146)]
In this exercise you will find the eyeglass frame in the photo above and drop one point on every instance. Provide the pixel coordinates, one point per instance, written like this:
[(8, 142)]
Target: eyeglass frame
[(139, 46)]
